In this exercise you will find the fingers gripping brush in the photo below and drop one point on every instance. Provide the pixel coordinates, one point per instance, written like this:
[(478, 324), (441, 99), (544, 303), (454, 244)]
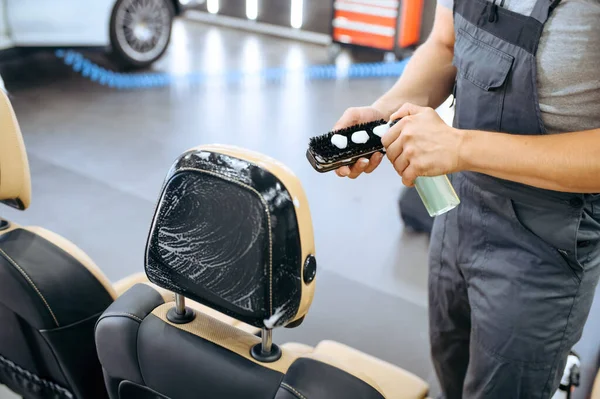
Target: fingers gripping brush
[(346, 146)]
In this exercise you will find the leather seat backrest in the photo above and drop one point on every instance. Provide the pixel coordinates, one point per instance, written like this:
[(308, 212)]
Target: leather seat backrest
[(146, 356), (232, 230), (49, 304), (49, 301)]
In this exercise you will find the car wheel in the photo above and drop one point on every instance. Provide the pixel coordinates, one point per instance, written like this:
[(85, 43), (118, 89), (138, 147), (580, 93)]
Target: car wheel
[(140, 31)]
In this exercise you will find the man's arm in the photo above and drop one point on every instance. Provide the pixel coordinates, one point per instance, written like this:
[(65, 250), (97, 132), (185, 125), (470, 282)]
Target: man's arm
[(421, 144), (429, 75), (568, 162)]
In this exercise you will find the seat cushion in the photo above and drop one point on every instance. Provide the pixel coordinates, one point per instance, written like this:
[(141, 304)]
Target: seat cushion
[(391, 380)]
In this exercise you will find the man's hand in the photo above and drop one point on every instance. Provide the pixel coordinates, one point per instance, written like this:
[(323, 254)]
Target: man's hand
[(354, 116), (421, 144)]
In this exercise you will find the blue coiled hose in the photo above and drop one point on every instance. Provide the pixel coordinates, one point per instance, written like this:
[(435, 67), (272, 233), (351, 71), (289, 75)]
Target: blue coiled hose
[(119, 80)]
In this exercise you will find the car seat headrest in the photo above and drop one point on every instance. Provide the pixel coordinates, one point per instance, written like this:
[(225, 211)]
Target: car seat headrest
[(232, 230), (15, 181)]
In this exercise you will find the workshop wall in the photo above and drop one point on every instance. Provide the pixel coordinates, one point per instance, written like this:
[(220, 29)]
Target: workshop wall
[(317, 13)]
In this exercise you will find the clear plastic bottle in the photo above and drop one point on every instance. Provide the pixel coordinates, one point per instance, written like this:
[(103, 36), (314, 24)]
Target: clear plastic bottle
[(437, 194)]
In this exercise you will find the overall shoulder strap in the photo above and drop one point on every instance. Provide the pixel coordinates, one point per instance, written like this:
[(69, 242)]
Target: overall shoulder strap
[(543, 9)]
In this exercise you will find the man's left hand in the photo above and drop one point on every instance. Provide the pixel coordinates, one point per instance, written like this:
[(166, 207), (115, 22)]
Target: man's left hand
[(421, 144)]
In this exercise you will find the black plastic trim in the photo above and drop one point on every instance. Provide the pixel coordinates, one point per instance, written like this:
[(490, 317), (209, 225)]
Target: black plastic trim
[(184, 318), (263, 357)]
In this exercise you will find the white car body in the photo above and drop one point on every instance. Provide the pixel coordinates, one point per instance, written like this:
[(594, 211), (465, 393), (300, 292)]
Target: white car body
[(54, 22)]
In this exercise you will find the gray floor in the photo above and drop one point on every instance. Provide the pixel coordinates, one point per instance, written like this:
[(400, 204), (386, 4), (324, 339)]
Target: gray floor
[(98, 157)]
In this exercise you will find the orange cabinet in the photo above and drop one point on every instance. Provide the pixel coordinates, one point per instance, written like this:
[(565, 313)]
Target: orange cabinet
[(380, 24)]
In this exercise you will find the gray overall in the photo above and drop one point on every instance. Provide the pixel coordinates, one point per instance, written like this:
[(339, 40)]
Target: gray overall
[(513, 269)]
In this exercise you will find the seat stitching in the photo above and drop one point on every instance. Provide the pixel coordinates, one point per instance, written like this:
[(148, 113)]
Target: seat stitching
[(12, 262), (292, 390), (137, 353)]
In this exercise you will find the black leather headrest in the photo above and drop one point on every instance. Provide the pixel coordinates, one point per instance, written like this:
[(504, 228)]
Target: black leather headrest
[(232, 230)]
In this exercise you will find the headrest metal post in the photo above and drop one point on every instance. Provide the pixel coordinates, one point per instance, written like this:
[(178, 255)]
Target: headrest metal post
[(266, 351), (179, 304), (267, 340)]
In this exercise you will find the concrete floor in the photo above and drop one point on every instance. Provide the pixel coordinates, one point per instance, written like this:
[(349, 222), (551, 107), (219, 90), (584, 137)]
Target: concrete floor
[(98, 157)]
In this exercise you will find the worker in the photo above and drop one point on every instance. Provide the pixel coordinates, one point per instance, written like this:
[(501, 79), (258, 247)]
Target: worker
[(513, 269)]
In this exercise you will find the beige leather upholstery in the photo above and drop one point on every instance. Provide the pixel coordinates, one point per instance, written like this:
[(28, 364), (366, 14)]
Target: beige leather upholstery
[(128, 282), (392, 381), (596, 391), (222, 317), (226, 336), (138, 278), (295, 347), (15, 181)]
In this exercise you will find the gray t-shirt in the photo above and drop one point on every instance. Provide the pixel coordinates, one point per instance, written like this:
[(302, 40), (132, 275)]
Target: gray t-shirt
[(568, 64)]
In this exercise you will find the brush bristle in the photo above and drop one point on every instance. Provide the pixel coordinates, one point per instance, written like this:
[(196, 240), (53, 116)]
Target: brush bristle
[(322, 146)]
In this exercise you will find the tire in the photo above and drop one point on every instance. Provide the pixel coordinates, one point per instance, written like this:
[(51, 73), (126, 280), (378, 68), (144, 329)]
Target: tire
[(135, 45)]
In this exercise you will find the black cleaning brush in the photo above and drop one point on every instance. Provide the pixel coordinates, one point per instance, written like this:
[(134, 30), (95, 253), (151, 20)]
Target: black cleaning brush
[(346, 146)]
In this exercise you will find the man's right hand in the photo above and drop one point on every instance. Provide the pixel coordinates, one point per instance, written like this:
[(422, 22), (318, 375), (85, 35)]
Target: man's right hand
[(355, 116)]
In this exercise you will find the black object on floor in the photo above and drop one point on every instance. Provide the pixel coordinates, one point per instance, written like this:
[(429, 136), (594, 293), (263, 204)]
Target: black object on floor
[(413, 212)]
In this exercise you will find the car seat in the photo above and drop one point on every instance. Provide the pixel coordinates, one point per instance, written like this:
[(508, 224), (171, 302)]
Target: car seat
[(232, 231), (51, 293), (596, 389)]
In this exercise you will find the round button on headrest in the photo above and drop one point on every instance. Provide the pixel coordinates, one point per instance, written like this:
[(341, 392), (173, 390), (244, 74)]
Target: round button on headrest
[(310, 269)]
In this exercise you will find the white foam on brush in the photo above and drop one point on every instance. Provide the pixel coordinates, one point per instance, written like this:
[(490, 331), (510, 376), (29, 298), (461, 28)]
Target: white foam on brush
[(339, 141), (381, 130), (360, 137)]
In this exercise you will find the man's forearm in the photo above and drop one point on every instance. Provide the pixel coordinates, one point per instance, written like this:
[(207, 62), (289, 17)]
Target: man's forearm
[(427, 80), (567, 162)]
